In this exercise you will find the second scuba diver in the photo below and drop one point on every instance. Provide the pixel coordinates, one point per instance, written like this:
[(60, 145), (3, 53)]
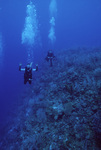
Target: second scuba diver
[(50, 57)]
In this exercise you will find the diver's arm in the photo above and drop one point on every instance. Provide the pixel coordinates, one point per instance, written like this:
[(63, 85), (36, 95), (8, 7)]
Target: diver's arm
[(33, 69), (21, 69), (36, 68)]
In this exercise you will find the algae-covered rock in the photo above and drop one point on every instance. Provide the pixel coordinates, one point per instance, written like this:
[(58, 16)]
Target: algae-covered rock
[(97, 73), (68, 108), (61, 109)]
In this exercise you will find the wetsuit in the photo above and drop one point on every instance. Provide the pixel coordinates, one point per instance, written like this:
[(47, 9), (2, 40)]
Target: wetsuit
[(28, 75), (49, 57)]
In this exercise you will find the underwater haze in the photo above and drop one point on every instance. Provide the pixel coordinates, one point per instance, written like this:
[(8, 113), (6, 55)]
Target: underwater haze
[(28, 29)]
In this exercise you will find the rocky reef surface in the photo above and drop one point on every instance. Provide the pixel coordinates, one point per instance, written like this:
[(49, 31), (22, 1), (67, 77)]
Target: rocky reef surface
[(62, 109)]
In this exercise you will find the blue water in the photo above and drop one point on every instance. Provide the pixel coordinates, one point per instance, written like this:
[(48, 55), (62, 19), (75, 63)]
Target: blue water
[(77, 23)]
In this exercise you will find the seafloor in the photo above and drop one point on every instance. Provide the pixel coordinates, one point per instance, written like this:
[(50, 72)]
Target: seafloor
[(62, 109)]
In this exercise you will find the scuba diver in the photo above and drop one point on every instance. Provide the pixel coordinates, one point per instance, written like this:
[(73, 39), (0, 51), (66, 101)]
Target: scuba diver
[(28, 72), (50, 57)]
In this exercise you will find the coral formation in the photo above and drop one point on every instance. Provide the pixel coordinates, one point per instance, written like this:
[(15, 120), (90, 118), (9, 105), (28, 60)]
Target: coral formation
[(62, 108)]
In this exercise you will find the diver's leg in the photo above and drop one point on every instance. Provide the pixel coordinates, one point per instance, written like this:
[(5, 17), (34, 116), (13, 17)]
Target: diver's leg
[(25, 81), (25, 78), (30, 81), (51, 62)]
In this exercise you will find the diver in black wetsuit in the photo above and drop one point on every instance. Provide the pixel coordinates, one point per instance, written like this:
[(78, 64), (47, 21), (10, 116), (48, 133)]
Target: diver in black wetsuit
[(28, 72), (50, 57)]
